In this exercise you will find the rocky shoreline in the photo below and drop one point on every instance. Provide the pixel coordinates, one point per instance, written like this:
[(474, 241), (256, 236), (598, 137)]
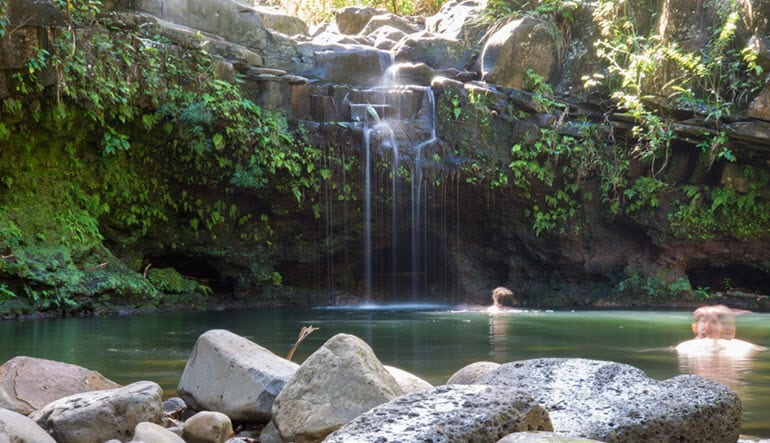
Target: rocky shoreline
[(234, 390)]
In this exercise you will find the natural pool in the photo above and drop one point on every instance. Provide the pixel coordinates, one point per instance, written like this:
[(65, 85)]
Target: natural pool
[(428, 340)]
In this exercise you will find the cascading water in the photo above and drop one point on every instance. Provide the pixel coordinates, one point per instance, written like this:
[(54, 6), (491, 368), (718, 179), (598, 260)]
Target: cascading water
[(399, 118)]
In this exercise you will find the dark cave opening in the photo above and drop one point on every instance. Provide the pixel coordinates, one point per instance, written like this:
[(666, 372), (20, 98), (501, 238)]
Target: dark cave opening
[(741, 278), (201, 269)]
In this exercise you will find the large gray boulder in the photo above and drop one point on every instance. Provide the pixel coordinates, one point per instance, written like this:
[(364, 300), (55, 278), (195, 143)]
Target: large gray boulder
[(233, 375), (409, 382), (335, 384), (388, 19), (101, 415), (471, 373), (27, 383), (436, 51), (449, 413), (208, 427), (15, 427), (610, 401), (459, 20), (235, 21), (350, 64), (353, 19), (147, 432), (517, 47), (542, 437)]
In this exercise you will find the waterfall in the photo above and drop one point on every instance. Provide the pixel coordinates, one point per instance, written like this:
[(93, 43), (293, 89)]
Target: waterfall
[(399, 118)]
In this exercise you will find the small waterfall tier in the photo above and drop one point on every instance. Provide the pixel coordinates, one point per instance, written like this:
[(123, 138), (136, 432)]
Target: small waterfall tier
[(397, 122)]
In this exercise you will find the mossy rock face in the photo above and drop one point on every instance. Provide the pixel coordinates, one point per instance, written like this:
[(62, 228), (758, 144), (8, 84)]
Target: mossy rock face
[(169, 280)]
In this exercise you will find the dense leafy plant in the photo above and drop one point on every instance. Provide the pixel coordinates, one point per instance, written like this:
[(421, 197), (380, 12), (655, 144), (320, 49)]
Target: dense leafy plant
[(647, 71), (131, 133), (318, 11)]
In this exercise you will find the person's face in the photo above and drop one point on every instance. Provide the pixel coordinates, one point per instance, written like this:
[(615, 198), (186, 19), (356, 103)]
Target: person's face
[(727, 323)]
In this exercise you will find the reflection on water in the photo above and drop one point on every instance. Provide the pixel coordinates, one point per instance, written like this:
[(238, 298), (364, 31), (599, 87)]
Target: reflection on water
[(730, 370), (429, 341)]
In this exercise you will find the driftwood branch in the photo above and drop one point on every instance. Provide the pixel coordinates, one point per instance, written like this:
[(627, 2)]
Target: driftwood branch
[(303, 333)]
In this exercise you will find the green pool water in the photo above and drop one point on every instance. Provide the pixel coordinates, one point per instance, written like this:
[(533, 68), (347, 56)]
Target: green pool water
[(428, 340)]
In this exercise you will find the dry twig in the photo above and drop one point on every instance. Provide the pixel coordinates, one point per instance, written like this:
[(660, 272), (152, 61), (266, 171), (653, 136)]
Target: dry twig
[(303, 333)]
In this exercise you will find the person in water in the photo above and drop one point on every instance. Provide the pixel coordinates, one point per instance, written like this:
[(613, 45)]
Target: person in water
[(498, 294), (715, 353), (714, 330)]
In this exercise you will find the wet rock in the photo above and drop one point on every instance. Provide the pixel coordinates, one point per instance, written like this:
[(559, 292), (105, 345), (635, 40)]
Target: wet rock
[(447, 414), (410, 74), (339, 381), (360, 66), (147, 432), (233, 375), (353, 19), (27, 383), (514, 49), (386, 37), (208, 427), (609, 401), (15, 427), (471, 373), (101, 415), (409, 382)]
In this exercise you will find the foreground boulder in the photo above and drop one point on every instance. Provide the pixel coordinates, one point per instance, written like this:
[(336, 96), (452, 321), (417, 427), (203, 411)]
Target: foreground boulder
[(542, 437), (153, 433), (338, 382), (616, 402), (27, 383), (208, 426), (409, 382), (15, 427), (233, 375), (101, 415), (471, 373), (448, 413)]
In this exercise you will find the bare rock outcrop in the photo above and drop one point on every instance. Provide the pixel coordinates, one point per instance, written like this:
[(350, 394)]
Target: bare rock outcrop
[(335, 384), (233, 375), (471, 373), (616, 402), (520, 46), (15, 427), (446, 414), (101, 415), (28, 383)]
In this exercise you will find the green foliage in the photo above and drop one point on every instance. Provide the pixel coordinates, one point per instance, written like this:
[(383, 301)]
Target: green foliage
[(638, 284), (647, 70), (6, 293), (134, 134), (557, 10), (642, 194), (706, 212)]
